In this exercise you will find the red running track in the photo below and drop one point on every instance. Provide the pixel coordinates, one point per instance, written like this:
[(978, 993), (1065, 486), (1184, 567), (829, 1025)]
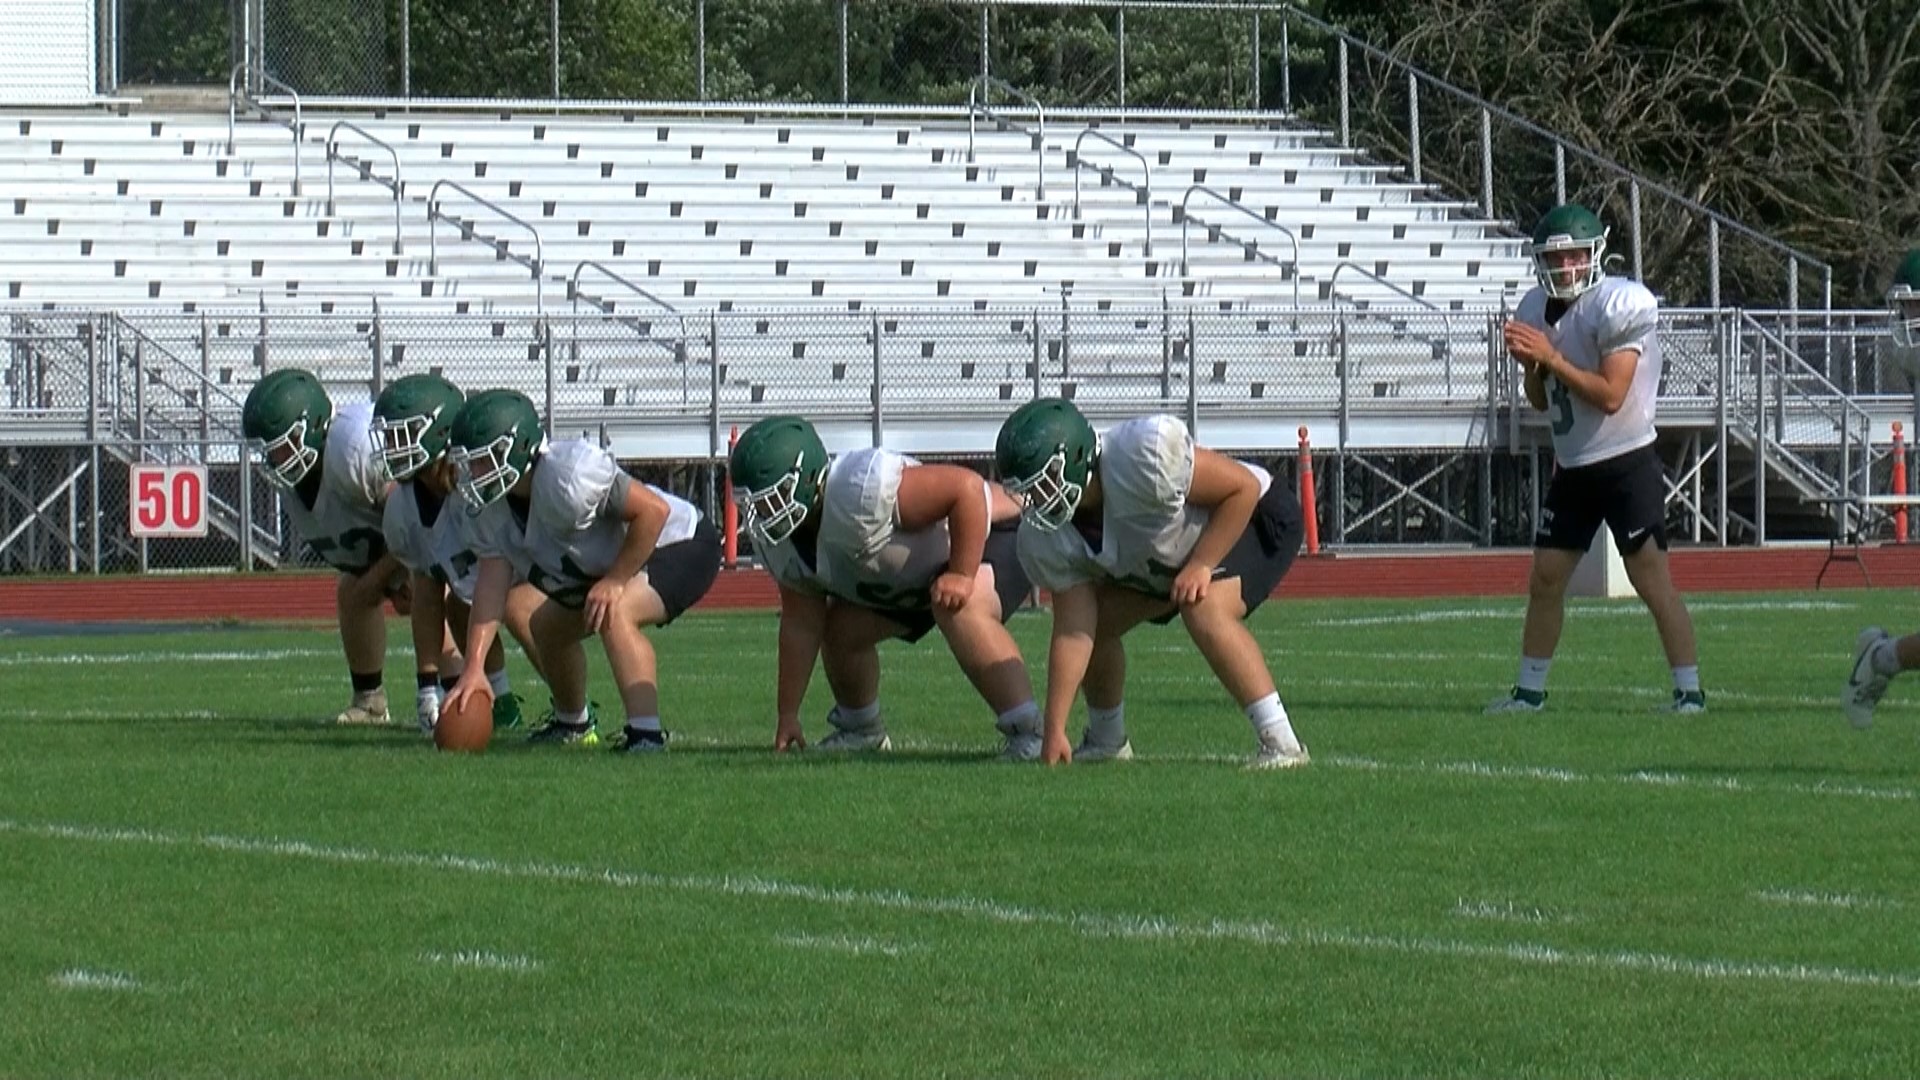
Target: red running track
[(300, 597)]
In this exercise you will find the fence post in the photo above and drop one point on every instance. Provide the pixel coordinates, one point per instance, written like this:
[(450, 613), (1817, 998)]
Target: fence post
[(246, 508), (1036, 355), (729, 513), (876, 380)]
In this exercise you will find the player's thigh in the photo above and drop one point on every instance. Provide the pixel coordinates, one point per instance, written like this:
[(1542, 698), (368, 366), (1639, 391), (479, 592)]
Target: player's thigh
[(1265, 551), (1636, 501), (1123, 609), (1571, 513), (459, 616), (553, 623), (680, 573), (855, 627), (641, 604)]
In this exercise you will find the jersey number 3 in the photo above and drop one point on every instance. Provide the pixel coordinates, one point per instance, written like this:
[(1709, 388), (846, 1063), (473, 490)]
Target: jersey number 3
[(1562, 402)]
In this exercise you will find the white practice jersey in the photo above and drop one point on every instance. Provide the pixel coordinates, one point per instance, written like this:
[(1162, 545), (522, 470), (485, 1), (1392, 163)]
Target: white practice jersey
[(343, 525), (1147, 528), (861, 553), (442, 548), (1619, 313), (573, 529)]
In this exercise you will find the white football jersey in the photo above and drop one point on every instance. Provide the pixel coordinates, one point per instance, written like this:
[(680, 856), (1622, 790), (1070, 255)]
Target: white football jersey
[(572, 530), (440, 549), (862, 554), (343, 526), (1619, 313), (1147, 529)]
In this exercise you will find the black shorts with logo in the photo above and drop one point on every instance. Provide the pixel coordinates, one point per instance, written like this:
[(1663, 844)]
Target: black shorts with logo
[(1265, 552), (1009, 583), (1628, 493)]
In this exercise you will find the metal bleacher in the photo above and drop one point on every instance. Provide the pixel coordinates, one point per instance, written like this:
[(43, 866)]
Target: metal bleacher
[(683, 267)]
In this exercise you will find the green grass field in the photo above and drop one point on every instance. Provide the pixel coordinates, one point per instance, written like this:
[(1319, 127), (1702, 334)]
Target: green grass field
[(200, 879)]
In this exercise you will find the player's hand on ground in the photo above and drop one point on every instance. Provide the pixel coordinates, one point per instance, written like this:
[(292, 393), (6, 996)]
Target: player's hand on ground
[(603, 600), (788, 736), (1527, 344), (1056, 750), (951, 591), (472, 681), (1190, 584)]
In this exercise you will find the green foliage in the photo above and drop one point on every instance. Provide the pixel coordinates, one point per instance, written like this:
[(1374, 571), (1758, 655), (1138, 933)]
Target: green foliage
[(175, 41)]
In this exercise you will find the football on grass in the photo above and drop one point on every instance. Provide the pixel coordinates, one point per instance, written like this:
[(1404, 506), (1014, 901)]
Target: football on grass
[(468, 730)]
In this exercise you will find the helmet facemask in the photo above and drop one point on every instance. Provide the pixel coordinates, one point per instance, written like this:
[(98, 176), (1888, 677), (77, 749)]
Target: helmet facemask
[(1564, 278), (401, 452), (774, 513), (486, 473), (287, 471), (1050, 499)]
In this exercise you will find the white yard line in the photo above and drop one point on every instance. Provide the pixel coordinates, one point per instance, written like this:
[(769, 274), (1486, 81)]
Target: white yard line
[(1506, 911), (484, 960), (1577, 610), (78, 979), (858, 946), (1088, 924), (1802, 898)]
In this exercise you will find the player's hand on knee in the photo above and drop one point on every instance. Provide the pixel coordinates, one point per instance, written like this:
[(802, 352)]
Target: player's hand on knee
[(1190, 585), (951, 591), (603, 603)]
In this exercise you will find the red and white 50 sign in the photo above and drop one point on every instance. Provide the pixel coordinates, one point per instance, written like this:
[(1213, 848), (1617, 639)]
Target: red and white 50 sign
[(168, 500)]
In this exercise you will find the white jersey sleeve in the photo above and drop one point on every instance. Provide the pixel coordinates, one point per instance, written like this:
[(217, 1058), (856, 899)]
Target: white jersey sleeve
[(576, 526), (1617, 315), (1148, 527), (353, 458), (788, 567), (864, 554)]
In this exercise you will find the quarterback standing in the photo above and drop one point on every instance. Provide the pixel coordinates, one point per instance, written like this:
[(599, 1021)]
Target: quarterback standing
[(333, 488), (612, 555), (1145, 525), (1589, 346), (876, 546)]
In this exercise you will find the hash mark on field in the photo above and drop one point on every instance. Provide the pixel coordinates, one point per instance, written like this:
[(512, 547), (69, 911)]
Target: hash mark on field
[(1087, 924), (77, 979), (1584, 610), (1798, 898), (1505, 911), (480, 958), (858, 946)]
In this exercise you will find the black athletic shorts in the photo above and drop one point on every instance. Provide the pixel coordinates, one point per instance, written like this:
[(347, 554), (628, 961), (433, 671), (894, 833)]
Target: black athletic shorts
[(1265, 552), (1628, 493), (1009, 582), (682, 573)]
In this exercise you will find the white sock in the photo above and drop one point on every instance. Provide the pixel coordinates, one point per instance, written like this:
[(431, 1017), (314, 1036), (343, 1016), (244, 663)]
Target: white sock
[(860, 719), (571, 719), (1885, 658), (1107, 727), (644, 723), (1686, 677), (1022, 719), (497, 682), (1270, 723), (1533, 673)]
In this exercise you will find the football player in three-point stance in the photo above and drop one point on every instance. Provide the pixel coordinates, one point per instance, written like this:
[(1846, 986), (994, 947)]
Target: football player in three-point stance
[(1144, 525), (334, 488), (877, 546), (612, 555), (424, 524), (1589, 345), (1877, 655)]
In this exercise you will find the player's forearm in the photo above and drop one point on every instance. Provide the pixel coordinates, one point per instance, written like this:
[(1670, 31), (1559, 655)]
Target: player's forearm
[(1224, 527), (1067, 658), (799, 648), (489, 606), (1589, 386), (967, 528), (429, 623)]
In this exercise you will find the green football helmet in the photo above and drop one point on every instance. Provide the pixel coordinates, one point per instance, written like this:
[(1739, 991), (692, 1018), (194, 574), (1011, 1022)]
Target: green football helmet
[(778, 468), (1045, 454), (1903, 301), (411, 422), (495, 438), (1571, 227), (285, 420)]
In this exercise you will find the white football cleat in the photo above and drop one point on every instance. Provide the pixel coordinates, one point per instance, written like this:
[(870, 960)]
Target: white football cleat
[(1093, 753), (426, 710), (1277, 755), (1865, 684), (368, 709)]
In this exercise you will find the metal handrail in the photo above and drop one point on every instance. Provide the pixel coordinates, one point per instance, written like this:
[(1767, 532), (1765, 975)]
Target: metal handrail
[(1333, 282), (573, 292), (235, 93), (333, 140), (1146, 175), (433, 237), (1186, 219), (977, 104)]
